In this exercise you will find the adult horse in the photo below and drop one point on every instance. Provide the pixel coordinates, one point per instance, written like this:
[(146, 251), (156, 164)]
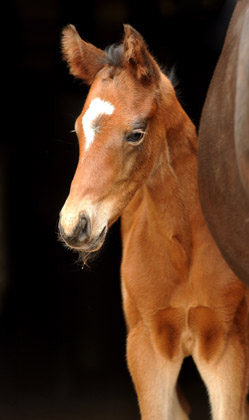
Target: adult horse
[(138, 159), (224, 147)]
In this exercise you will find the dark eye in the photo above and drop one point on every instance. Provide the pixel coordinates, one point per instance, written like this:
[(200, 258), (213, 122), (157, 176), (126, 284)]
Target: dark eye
[(136, 137)]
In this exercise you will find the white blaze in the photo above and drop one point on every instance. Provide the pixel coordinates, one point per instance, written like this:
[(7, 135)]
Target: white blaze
[(96, 108)]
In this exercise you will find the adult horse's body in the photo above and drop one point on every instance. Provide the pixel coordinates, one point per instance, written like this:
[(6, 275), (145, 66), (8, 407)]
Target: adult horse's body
[(138, 159), (224, 147)]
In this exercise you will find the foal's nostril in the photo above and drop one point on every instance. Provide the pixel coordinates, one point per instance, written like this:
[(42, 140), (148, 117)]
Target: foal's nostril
[(84, 228)]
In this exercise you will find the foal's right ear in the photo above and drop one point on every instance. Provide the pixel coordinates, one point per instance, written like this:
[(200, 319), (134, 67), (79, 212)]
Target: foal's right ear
[(84, 59)]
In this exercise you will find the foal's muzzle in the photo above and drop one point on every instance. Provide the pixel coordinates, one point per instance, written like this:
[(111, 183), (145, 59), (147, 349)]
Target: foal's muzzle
[(79, 235)]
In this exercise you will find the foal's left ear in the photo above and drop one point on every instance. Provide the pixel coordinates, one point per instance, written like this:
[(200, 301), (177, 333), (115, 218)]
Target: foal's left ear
[(84, 59), (138, 58)]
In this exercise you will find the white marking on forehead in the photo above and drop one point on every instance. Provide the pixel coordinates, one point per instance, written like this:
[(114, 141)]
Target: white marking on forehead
[(96, 108)]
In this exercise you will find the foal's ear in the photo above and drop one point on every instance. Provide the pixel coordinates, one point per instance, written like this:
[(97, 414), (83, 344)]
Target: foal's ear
[(84, 59), (137, 56)]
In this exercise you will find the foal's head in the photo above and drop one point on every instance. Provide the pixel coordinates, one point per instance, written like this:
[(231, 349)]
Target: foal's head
[(120, 133)]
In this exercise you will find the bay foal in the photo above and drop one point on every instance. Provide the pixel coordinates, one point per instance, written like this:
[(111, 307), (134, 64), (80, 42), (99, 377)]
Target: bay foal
[(137, 159)]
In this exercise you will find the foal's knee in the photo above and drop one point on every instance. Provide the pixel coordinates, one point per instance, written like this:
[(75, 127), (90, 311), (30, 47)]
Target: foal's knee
[(210, 332), (168, 326)]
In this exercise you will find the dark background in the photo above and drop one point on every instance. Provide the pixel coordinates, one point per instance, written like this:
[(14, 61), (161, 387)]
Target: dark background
[(62, 333)]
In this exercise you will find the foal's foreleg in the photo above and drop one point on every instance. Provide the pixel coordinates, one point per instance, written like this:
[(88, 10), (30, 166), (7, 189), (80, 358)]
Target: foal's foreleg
[(227, 381), (154, 377)]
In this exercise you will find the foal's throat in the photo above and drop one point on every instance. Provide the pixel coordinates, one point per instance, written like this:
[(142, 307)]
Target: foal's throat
[(171, 193)]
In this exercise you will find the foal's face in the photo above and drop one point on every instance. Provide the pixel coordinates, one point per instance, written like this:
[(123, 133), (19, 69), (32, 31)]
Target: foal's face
[(115, 134)]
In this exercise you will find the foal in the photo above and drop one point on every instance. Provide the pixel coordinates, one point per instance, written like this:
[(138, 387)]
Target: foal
[(138, 159)]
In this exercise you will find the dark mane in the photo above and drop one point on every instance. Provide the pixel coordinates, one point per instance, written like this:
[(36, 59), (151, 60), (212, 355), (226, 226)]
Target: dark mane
[(114, 55), (114, 58)]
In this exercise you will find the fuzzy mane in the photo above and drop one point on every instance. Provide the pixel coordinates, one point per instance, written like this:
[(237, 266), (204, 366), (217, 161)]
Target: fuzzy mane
[(114, 57)]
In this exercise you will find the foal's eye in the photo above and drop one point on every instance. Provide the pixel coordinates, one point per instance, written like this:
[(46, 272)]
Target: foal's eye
[(136, 137)]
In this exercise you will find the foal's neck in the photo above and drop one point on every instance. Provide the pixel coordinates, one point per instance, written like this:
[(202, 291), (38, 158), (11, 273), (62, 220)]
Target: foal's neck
[(171, 192)]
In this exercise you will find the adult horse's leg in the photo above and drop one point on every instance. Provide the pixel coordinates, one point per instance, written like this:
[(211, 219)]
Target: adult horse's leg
[(154, 377), (227, 380)]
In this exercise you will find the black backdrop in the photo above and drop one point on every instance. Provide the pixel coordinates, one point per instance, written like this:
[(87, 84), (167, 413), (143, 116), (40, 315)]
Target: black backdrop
[(62, 333)]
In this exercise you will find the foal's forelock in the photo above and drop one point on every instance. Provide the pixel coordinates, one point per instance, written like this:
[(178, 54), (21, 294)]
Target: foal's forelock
[(114, 55)]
